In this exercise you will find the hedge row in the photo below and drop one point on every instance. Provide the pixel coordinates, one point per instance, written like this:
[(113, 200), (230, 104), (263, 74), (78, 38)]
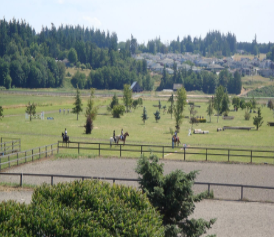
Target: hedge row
[(88, 208)]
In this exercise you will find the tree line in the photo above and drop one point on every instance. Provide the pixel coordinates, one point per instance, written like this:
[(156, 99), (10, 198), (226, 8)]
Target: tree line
[(202, 80)]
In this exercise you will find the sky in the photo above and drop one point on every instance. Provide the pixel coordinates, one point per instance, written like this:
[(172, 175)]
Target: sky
[(148, 19)]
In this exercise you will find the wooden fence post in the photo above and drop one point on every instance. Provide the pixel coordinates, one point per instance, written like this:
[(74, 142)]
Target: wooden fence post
[(9, 160), (51, 150), (21, 179), (120, 150), (12, 146), (78, 148), (0, 163), (242, 192), (99, 149), (228, 155), (46, 151), (251, 156), (17, 158), (184, 153), (163, 152), (52, 180), (39, 152), (208, 189), (141, 149), (206, 154)]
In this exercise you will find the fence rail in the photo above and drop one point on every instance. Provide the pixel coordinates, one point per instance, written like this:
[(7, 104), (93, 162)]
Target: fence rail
[(113, 179), (7, 147), (247, 154), (22, 157)]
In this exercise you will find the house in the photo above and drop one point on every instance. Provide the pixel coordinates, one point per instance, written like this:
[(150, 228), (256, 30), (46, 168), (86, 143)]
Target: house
[(135, 87), (266, 72), (177, 86)]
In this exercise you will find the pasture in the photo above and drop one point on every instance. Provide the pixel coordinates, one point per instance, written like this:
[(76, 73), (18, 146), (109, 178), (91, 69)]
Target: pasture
[(41, 132)]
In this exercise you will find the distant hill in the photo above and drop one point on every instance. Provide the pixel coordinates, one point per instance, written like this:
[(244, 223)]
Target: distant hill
[(267, 91)]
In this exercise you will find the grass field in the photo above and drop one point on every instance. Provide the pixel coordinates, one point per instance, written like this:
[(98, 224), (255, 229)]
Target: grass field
[(41, 132)]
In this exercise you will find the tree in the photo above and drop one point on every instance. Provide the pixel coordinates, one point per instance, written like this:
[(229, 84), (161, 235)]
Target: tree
[(236, 102), (127, 97), (89, 125), (160, 106), (157, 116), (31, 110), (172, 195), (114, 101), (72, 56), (254, 103), (209, 109), (258, 120), (144, 115), (135, 104), (225, 104), (179, 107), (1, 112), (270, 104), (242, 103), (78, 103), (118, 110), (192, 113), (170, 108), (218, 100)]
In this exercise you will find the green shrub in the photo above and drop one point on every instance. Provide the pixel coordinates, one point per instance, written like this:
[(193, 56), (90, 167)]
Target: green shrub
[(247, 115), (118, 110), (88, 208), (201, 120)]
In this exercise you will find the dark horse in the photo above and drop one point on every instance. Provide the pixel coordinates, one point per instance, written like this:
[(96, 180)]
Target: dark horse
[(176, 140), (124, 138), (65, 138)]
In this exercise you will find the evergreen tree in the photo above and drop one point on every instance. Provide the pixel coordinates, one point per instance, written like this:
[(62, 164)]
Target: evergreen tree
[(172, 195), (78, 104), (91, 111), (72, 56), (114, 101), (144, 115), (258, 120), (225, 103), (179, 107), (89, 125), (160, 106), (157, 116)]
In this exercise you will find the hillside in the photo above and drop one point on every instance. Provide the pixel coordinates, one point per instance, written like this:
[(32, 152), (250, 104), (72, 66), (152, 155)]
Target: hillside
[(267, 91)]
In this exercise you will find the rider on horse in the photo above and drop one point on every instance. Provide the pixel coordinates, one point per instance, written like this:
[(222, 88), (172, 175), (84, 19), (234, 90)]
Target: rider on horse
[(66, 133), (114, 138), (175, 136), (122, 134)]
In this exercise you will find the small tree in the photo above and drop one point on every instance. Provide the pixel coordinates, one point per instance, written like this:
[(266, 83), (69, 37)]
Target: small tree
[(140, 101), (91, 110), (127, 96), (135, 104), (31, 110), (144, 115), (270, 104), (164, 109), (254, 103), (78, 103), (236, 102), (247, 115), (89, 125), (218, 100), (192, 119), (160, 106), (242, 103), (157, 116), (171, 107), (258, 120), (1, 112), (179, 107), (209, 109), (172, 195), (118, 110)]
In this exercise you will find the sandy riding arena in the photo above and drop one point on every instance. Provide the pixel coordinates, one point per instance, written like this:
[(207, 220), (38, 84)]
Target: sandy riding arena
[(234, 218)]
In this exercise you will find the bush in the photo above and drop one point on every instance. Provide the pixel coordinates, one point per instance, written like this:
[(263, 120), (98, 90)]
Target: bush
[(118, 110), (89, 125), (87, 208), (201, 120), (247, 115)]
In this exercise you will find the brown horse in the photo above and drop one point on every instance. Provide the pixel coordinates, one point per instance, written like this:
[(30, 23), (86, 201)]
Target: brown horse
[(176, 140), (124, 138)]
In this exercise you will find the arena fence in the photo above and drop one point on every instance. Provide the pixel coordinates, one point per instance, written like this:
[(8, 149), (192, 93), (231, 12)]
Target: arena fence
[(182, 153), (9, 145), (6, 161), (113, 179)]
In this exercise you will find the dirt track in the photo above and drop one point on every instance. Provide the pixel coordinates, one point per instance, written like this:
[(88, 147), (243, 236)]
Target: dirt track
[(234, 218)]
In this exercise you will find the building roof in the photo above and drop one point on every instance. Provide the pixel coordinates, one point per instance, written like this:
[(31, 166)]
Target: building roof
[(177, 86), (133, 84)]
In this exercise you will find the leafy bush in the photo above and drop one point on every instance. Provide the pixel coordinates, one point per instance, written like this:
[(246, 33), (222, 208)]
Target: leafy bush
[(201, 120), (118, 110), (247, 115), (88, 208)]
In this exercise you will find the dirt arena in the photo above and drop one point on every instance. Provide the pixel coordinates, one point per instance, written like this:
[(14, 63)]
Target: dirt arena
[(234, 218)]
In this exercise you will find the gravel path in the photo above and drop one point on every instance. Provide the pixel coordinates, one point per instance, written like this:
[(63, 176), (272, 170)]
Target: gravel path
[(233, 218)]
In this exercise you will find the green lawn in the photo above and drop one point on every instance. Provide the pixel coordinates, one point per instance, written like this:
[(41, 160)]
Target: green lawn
[(42, 132)]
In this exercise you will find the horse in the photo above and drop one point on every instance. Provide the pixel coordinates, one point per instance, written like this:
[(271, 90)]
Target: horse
[(124, 138), (176, 140), (65, 138), (111, 140)]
